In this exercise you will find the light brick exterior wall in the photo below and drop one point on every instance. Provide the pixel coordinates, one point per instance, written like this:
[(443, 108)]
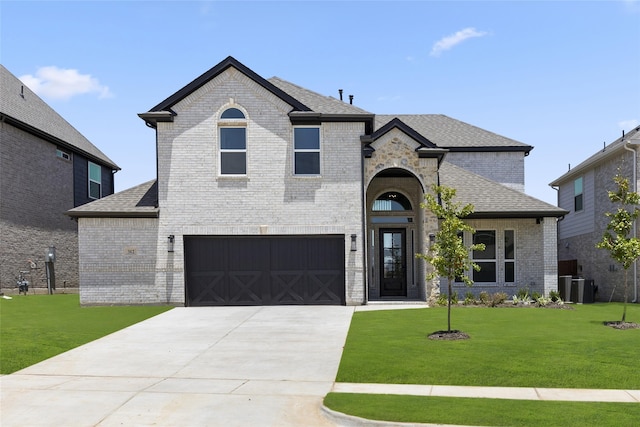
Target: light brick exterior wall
[(505, 167), (118, 263), (36, 188), (596, 264), (535, 256), (270, 200)]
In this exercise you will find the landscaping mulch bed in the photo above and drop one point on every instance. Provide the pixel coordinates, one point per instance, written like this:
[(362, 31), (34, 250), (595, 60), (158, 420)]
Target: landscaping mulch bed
[(622, 325), (449, 335)]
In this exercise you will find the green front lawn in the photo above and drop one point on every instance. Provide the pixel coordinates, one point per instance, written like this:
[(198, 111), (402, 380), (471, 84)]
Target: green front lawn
[(516, 347), (511, 347), (36, 327), (485, 412)]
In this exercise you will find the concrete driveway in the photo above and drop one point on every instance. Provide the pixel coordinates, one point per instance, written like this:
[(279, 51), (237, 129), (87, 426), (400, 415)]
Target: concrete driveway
[(222, 366)]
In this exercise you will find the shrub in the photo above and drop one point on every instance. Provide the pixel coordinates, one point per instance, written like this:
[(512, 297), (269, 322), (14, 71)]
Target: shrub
[(522, 293), (535, 296), (498, 298), (484, 297), (554, 296), (542, 301), (442, 300), (469, 298)]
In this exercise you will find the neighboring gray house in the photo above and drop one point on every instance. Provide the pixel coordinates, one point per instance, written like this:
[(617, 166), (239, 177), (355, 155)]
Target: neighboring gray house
[(583, 191), (268, 193), (46, 168)]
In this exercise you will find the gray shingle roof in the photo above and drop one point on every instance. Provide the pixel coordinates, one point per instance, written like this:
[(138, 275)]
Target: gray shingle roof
[(446, 132), (140, 202), (617, 146), (491, 199), (20, 104), (318, 103)]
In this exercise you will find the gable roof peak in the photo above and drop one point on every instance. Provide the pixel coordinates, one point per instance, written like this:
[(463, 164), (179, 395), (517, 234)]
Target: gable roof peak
[(216, 70)]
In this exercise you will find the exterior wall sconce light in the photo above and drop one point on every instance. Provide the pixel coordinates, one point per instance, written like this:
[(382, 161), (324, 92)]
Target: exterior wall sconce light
[(354, 245), (50, 258), (51, 254), (432, 239), (170, 241)]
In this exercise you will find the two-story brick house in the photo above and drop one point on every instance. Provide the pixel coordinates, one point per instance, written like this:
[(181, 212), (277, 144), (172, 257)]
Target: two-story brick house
[(269, 193), (46, 168), (583, 192)]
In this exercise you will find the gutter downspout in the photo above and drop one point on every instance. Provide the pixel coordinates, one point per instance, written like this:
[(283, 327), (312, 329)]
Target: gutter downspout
[(635, 233)]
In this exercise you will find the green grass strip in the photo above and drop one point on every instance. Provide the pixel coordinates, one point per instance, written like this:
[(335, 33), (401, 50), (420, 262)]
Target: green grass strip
[(511, 347), (36, 327), (484, 412)]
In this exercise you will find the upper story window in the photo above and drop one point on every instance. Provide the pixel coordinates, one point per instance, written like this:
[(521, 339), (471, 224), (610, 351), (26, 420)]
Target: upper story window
[(233, 142), (63, 154), (578, 197), (306, 150), (391, 201), (232, 113), (95, 181)]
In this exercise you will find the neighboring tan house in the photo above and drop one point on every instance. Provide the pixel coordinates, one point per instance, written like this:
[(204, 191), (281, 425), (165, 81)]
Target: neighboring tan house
[(583, 191), (269, 193), (46, 168)]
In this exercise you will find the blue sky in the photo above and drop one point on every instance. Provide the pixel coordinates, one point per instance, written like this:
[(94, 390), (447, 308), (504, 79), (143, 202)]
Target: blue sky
[(562, 76)]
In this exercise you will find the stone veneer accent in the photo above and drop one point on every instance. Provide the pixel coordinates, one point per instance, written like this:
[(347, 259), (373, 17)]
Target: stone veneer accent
[(395, 150)]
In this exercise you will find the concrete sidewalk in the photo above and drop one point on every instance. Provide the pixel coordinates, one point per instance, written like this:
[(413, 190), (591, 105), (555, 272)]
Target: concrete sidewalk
[(517, 393)]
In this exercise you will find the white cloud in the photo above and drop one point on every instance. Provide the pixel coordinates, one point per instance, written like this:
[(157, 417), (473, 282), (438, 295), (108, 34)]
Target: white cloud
[(449, 42), (627, 125), (59, 83)]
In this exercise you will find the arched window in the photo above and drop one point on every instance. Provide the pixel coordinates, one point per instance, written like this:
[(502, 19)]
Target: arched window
[(233, 143), (391, 202), (232, 113)]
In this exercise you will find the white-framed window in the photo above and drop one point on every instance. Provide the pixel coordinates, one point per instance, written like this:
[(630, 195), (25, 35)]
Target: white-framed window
[(95, 181), (306, 150), (509, 256), (63, 154), (232, 133), (485, 259), (578, 196)]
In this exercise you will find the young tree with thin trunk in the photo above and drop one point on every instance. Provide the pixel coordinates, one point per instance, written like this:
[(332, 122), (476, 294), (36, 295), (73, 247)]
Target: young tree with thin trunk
[(448, 255), (618, 239)]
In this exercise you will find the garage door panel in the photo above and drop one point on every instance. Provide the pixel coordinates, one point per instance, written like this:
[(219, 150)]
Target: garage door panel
[(326, 284), (288, 287), (207, 288), (245, 287), (264, 270)]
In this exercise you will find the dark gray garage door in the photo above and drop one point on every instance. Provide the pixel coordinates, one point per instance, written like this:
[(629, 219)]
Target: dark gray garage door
[(261, 270)]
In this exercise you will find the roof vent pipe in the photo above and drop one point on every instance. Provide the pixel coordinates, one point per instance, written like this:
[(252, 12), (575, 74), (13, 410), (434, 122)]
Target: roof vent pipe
[(351, 99), (340, 92)]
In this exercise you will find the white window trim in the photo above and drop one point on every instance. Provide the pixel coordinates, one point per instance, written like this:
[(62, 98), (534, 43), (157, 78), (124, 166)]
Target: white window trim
[(89, 180), (581, 193), (233, 123), (241, 124), (319, 151), (61, 154)]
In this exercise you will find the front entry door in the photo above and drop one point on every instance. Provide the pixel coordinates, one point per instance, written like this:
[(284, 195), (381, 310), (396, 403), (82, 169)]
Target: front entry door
[(393, 262)]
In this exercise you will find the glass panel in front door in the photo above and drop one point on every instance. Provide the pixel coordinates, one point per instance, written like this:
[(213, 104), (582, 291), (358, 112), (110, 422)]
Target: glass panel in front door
[(393, 262)]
